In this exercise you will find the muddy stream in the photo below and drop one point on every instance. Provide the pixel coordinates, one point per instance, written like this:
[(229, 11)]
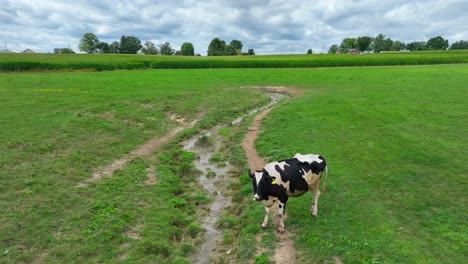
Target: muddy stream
[(212, 185)]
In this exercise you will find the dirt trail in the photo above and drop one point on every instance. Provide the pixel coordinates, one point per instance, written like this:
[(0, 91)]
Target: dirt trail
[(285, 252), (248, 144)]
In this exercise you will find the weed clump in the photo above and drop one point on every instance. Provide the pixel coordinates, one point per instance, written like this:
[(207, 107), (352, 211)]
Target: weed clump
[(156, 248), (211, 174), (204, 141), (194, 229)]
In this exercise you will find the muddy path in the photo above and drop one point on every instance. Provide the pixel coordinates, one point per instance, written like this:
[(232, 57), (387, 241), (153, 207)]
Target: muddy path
[(213, 178), (285, 252)]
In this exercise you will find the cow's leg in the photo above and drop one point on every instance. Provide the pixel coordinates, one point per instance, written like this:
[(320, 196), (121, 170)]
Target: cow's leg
[(281, 210), (268, 203), (315, 194), (265, 219)]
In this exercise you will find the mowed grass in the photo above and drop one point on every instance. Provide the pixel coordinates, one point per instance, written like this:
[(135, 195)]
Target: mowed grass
[(394, 139), (107, 62)]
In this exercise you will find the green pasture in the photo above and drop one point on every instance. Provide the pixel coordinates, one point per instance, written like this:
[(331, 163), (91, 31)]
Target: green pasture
[(106, 62), (394, 139)]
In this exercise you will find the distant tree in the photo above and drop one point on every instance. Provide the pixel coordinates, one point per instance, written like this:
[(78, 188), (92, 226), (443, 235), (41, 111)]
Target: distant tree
[(309, 51), (114, 47), (187, 49), (219, 47), (251, 52), (380, 43), (149, 48), (333, 49), (437, 43), (216, 47), (67, 51), (388, 44), (347, 44), (102, 47), (129, 45), (88, 43), (237, 45), (416, 45), (462, 44), (166, 49), (397, 45), (229, 50), (363, 43)]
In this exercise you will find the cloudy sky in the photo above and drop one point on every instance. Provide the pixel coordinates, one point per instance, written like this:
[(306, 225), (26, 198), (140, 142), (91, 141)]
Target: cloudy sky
[(267, 26)]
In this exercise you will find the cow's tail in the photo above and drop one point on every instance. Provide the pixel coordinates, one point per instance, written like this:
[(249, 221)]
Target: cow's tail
[(326, 178)]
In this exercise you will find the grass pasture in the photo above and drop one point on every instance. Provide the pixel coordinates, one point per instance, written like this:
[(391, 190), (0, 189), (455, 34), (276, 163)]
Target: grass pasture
[(394, 138), (107, 62)]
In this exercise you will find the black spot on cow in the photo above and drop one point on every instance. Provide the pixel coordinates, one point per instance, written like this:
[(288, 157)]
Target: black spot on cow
[(293, 172)]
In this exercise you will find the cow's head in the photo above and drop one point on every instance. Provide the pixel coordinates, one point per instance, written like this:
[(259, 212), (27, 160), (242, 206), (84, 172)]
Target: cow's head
[(262, 182)]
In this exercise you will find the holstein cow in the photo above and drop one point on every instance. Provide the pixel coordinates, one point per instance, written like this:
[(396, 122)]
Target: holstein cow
[(279, 180)]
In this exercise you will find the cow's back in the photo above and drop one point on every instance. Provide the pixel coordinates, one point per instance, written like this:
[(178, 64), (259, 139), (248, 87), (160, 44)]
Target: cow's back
[(296, 175)]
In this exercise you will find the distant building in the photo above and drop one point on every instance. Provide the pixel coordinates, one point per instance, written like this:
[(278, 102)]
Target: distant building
[(354, 51), (28, 51), (58, 50)]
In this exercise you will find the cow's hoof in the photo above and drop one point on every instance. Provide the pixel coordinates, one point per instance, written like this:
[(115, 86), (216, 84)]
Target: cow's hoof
[(314, 215), (280, 230), (263, 226)]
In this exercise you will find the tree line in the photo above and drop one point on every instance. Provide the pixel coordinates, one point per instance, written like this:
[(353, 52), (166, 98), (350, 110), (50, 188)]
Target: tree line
[(381, 43), (89, 43), (131, 45)]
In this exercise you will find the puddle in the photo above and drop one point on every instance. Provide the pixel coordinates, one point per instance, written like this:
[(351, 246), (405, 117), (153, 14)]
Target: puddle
[(212, 184)]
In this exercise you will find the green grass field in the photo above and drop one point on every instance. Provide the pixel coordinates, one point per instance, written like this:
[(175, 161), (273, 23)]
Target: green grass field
[(34, 62), (394, 138)]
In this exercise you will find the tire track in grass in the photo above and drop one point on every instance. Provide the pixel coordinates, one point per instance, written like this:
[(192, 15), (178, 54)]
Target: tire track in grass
[(285, 253), (144, 150)]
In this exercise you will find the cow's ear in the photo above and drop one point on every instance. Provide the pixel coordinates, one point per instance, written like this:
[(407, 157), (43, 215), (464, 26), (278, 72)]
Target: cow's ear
[(265, 174), (251, 174)]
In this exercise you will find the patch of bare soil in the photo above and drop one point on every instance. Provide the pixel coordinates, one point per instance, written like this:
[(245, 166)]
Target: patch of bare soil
[(133, 232), (285, 252), (337, 260), (143, 151), (150, 172)]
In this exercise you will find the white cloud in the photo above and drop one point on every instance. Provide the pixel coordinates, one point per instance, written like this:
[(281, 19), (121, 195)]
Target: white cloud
[(268, 26)]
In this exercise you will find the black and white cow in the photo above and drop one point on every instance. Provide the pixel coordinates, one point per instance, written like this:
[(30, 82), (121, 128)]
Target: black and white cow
[(280, 180)]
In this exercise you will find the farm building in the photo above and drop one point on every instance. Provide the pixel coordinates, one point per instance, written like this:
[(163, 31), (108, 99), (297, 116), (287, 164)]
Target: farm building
[(28, 51)]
